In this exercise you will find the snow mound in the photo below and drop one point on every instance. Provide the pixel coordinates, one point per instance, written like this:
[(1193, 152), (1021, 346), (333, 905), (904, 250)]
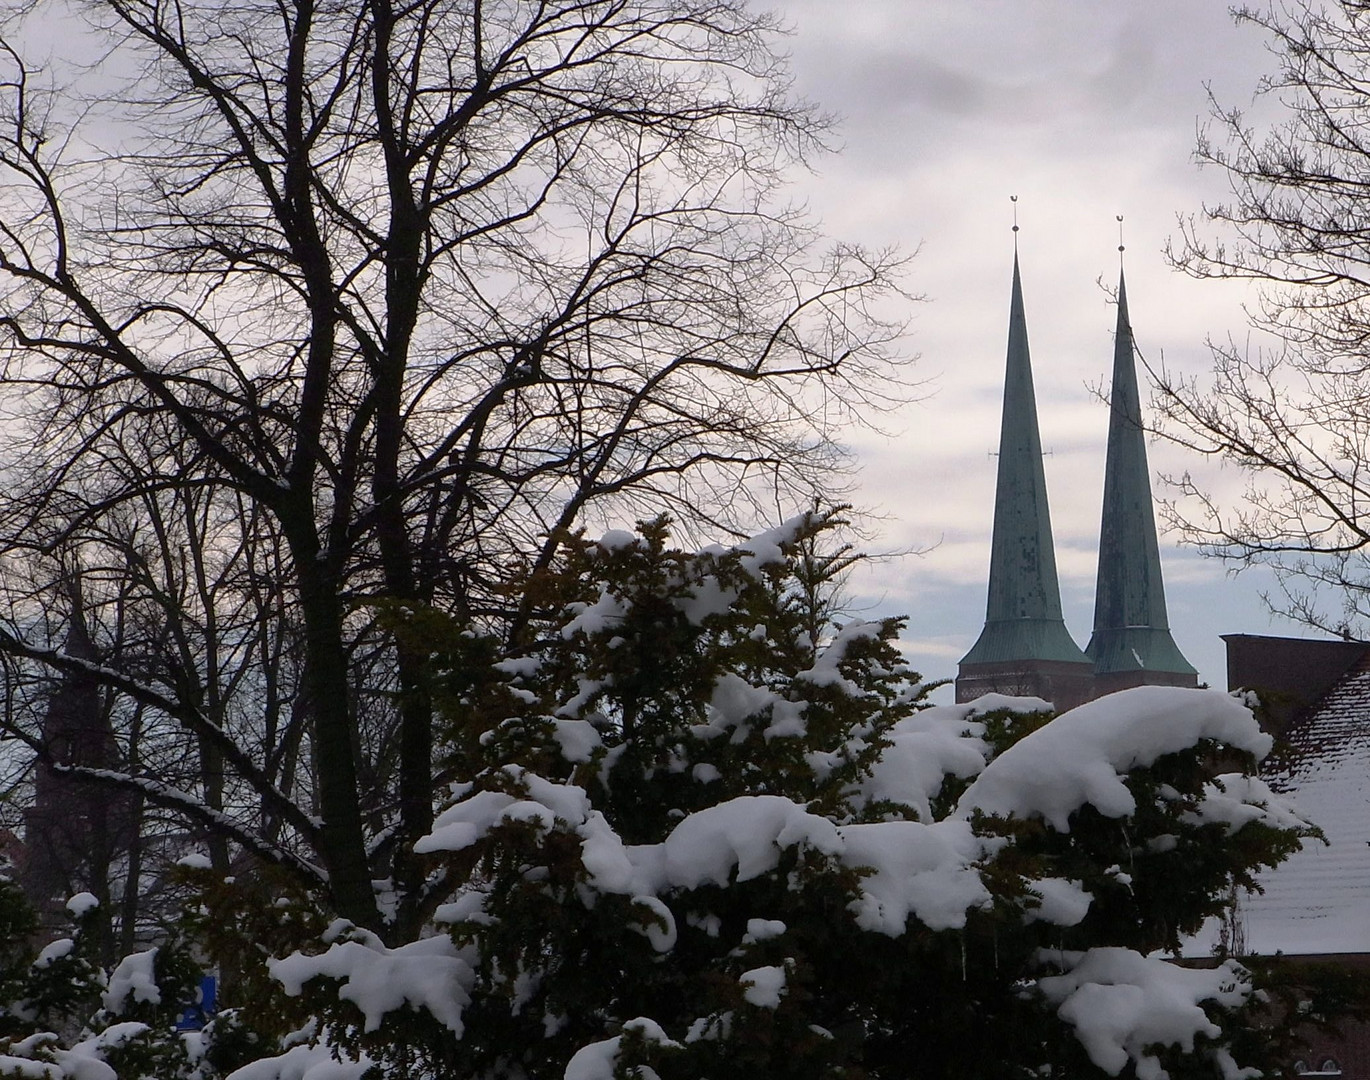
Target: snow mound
[(426, 974), (921, 870), (921, 752), (303, 1063), (136, 976), (1083, 755), (1120, 1003), (597, 1060), (82, 903), (763, 986)]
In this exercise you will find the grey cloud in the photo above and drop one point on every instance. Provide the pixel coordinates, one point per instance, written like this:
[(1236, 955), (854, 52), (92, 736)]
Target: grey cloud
[(871, 86)]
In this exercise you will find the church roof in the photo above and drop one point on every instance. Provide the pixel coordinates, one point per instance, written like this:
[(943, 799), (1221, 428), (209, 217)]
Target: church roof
[(1131, 630), (1023, 618)]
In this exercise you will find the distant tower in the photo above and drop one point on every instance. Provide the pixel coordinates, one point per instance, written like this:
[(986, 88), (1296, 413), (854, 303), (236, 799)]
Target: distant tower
[(1024, 648), (1131, 645), (76, 833)]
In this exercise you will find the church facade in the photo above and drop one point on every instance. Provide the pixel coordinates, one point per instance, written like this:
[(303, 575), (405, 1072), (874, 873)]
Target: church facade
[(1025, 648)]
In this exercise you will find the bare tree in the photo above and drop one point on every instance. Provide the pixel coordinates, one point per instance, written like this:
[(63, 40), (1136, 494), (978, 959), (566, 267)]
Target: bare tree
[(333, 304), (1296, 417)]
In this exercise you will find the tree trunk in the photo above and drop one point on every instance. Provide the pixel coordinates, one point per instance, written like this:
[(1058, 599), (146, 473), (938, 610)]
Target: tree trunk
[(325, 687)]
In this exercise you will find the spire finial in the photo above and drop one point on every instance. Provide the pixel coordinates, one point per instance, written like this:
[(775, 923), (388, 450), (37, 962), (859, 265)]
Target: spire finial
[(1121, 247), (1014, 199)]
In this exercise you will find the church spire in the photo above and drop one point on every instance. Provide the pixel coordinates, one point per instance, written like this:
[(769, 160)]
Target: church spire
[(1024, 642), (1131, 644)]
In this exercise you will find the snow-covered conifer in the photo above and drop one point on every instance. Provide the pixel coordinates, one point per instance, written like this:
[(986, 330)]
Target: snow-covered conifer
[(693, 839)]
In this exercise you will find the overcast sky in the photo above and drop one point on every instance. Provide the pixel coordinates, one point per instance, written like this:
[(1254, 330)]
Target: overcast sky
[(1084, 109)]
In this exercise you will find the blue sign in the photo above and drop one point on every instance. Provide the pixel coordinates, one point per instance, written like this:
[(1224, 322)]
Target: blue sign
[(195, 1016)]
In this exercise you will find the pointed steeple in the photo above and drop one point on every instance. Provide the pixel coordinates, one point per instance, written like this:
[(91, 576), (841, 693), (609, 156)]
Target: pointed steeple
[(78, 642), (1131, 644), (1024, 628)]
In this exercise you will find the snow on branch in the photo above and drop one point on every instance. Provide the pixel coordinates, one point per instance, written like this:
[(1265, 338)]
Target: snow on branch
[(172, 798), (193, 719), (1083, 756)]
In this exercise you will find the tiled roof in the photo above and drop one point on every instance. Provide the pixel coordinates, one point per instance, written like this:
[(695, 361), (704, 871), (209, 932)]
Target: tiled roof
[(1319, 900)]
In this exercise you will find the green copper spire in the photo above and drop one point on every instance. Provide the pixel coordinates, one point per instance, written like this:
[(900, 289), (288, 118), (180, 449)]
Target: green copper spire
[(1131, 631), (1023, 618)]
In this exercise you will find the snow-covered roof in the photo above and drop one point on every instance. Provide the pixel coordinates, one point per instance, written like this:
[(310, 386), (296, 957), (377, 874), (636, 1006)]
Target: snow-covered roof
[(1319, 900)]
